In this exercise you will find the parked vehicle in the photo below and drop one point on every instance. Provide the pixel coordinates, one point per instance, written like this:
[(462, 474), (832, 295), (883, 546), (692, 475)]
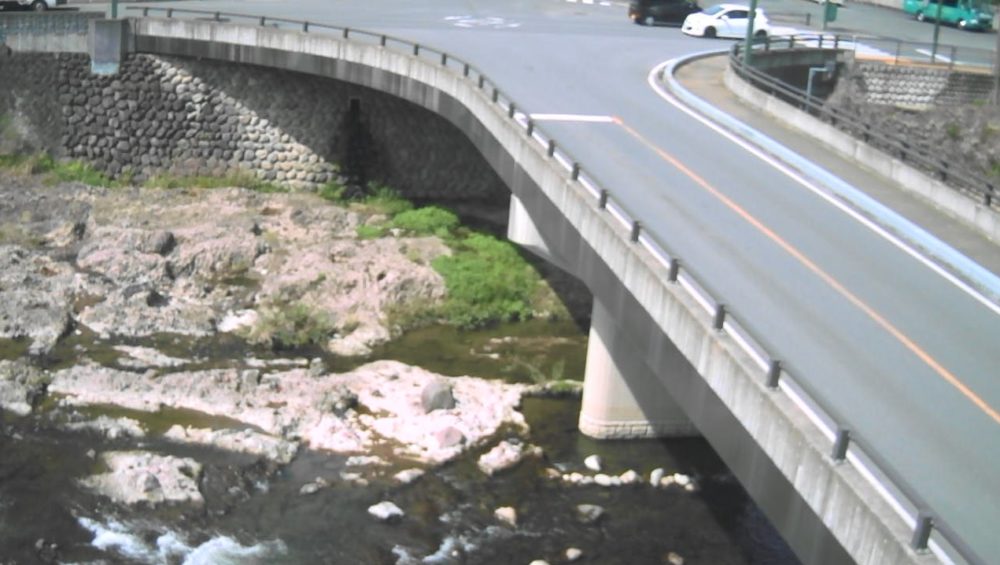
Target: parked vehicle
[(965, 14), (726, 20), (652, 12), (36, 5)]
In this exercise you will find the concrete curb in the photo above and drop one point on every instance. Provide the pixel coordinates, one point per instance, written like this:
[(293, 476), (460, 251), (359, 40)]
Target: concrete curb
[(940, 252)]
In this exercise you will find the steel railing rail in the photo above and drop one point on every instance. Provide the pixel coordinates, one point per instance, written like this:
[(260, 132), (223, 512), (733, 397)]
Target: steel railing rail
[(776, 374), (977, 187)]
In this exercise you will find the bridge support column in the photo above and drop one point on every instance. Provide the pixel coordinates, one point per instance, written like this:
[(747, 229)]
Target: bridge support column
[(521, 230), (622, 396)]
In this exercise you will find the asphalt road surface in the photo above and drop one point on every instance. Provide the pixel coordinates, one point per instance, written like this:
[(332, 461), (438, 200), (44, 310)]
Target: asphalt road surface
[(907, 357)]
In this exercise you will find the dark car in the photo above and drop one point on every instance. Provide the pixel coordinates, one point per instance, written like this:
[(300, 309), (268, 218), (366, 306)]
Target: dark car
[(651, 12)]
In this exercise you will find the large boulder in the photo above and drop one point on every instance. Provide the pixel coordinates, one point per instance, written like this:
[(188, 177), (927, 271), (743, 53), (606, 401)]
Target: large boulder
[(21, 386)]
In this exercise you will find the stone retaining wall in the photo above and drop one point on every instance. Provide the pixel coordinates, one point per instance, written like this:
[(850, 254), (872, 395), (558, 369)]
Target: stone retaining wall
[(918, 88), (190, 117)]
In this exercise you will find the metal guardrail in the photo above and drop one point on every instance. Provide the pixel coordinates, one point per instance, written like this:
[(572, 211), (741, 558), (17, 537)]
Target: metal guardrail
[(776, 375), (977, 187)]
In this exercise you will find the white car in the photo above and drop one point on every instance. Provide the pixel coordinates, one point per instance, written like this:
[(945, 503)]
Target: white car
[(726, 20)]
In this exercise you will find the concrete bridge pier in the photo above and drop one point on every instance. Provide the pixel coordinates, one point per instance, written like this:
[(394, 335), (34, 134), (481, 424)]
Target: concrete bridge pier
[(616, 408), (616, 376)]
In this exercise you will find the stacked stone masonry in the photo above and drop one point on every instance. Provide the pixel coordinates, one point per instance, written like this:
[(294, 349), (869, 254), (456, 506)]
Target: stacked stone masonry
[(920, 88), (179, 117)]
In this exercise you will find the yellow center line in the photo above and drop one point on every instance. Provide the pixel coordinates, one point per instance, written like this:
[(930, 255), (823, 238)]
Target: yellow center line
[(944, 373)]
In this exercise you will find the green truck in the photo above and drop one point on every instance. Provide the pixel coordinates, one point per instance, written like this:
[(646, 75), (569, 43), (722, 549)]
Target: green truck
[(973, 15)]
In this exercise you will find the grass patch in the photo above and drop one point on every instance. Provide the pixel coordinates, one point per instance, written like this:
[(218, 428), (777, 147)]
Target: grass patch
[(369, 231), (488, 281), (384, 200), (55, 171), (430, 220), (248, 181), (284, 326)]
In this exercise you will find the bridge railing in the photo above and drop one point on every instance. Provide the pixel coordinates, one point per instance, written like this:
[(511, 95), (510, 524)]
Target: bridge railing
[(977, 187), (778, 376)]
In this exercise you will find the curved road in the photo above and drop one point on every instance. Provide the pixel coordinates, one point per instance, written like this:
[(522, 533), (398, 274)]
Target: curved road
[(908, 358)]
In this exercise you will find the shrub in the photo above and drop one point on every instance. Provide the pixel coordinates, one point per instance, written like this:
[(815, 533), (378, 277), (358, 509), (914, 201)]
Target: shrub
[(384, 200), (488, 281), (290, 325), (369, 231), (426, 221), (332, 191)]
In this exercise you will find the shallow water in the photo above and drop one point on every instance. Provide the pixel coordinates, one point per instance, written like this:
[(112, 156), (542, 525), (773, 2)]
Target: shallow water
[(255, 514)]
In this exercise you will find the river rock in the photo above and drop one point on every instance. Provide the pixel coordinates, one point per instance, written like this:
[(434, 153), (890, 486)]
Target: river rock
[(243, 441), (136, 476), (593, 462), (36, 297), (603, 480), (407, 476), (573, 554), (111, 428), (674, 558), (506, 515), (589, 513), (655, 475), (505, 455), (296, 406), (386, 511), (437, 395), (629, 477), (21, 386), (449, 436)]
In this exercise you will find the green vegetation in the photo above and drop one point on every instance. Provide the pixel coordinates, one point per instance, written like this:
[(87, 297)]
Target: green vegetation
[(284, 326), (369, 231), (242, 180), (488, 281), (55, 171), (954, 131), (430, 220)]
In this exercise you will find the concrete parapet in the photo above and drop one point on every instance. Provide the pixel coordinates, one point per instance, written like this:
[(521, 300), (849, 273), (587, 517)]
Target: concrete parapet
[(48, 32)]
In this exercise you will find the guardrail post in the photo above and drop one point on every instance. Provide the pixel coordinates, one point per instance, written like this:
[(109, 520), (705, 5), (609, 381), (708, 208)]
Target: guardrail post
[(836, 42), (636, 230), (465, 70), (511, 110), (444, 59), (383, 40), (773, 374), (602, 201), (719, 319), (263, 21), (416, 49), (922, 531), (305, 27), (552, 148), (531, 127), (674, 270), (840, 443), (347, 32), (170, 12), (988, 196), (575, 173), (145, 12), (496, 94), (482, 82), (218, 17)]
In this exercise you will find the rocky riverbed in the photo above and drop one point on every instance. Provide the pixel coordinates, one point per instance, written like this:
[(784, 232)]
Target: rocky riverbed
[(148, 413)]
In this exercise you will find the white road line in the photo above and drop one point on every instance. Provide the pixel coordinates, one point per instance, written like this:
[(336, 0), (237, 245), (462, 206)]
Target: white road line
[(818, 191), (933, 56), (571, 118)]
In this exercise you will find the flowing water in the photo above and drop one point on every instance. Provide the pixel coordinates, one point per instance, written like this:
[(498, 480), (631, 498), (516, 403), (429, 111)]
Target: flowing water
[(254, 513)]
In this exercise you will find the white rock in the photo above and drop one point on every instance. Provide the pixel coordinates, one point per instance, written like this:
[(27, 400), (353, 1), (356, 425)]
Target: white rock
[(573, 554), (602, 480), (629, 477), (674, 558), (655, 475), (407, 476), (505, 455), (507, 515), (593, 462), (589, 513), (138, 476), (539, 562), (682, 480), (385, 511)]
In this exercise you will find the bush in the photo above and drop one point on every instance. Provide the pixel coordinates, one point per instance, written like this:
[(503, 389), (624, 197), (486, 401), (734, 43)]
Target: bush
[(488, 281), (384, 200), (368, 231), (285, 326), (426, 221)]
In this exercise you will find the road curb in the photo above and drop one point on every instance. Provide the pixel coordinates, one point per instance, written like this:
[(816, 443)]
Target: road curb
[(940, 252)]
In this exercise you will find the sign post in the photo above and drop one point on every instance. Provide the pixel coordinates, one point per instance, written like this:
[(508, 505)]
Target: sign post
[(748, 42)]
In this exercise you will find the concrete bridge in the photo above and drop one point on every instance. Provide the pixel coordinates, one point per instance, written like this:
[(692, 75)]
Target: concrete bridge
[(674, 346)]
